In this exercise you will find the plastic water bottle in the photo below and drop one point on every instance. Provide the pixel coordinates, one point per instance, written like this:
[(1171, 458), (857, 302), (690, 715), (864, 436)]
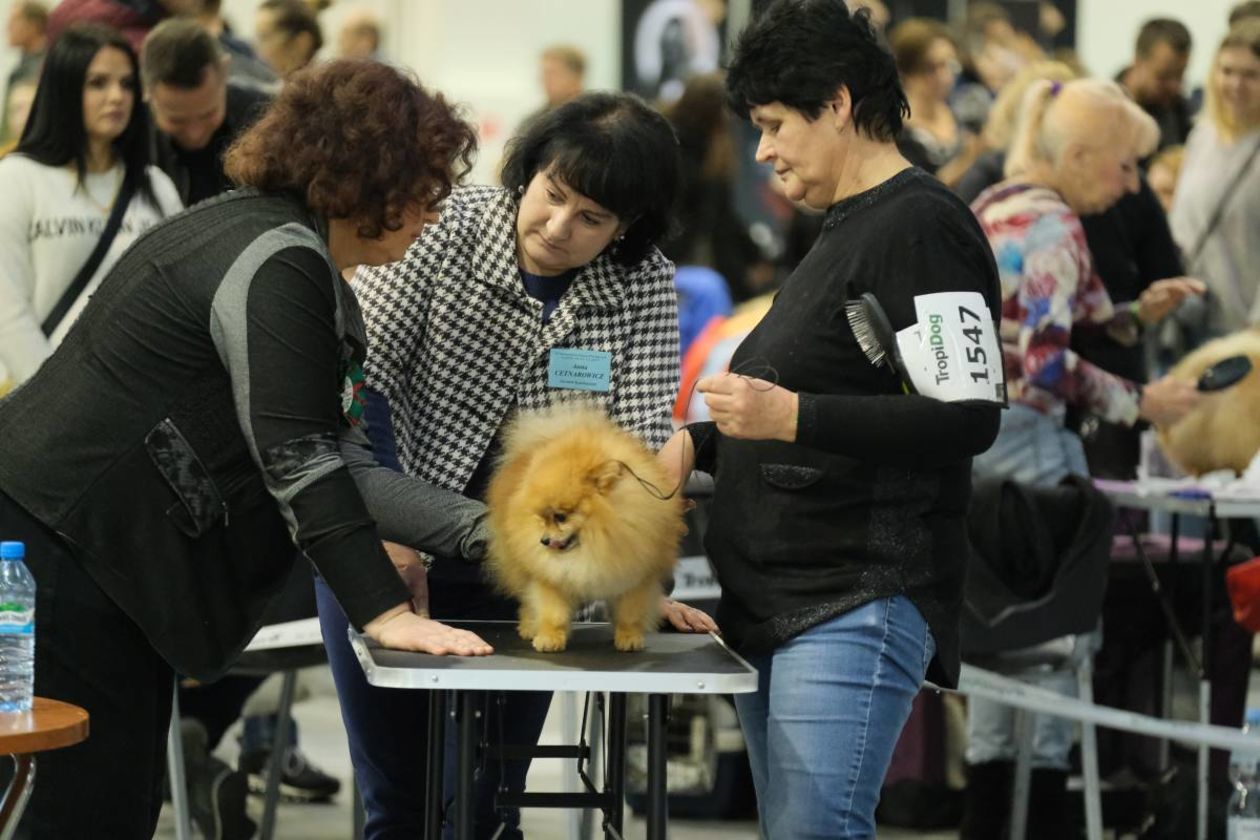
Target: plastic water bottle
[(1243, 813), (17, 629)]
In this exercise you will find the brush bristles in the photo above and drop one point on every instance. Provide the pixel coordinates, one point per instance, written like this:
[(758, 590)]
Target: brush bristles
[(864, 333)]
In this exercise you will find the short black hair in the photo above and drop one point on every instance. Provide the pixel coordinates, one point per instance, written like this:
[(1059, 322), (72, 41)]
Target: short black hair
[(613, 149), (1247, 9), (55, 134), (177, 53), (799, 52), (1163, 31)]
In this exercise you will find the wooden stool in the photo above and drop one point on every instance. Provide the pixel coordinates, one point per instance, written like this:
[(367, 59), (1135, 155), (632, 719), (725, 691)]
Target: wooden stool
[(49, 725)]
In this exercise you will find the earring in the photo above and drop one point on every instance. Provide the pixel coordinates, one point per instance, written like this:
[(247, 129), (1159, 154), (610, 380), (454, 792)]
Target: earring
[(520, 190)]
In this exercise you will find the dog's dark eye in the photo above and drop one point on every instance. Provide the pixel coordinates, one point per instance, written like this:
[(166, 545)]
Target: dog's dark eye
[(560, 518)]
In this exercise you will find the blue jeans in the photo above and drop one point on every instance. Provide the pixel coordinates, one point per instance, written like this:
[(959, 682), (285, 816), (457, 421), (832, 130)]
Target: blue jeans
[(1032, 448), (828, 710), (388, 727)]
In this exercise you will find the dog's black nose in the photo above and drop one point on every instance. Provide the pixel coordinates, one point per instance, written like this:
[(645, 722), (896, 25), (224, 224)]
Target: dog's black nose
[(545, 541)]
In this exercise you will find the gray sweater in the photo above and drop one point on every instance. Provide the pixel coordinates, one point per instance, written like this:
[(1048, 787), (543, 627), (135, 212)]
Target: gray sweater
[(1229, 253)]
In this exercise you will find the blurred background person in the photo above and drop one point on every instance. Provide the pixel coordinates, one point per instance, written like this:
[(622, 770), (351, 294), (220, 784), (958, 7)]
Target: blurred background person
[(710, 232), (562, 71), (989, 61), (244, 66), (27, 33), (1155, 78), (1244, 10), (998, 130), (360, 35), (83, 153), (1216, 213), (17, 110), (134, 18), (927, 61), (1163, 172), (1060, 168), (1131, 247), (197, 110), (287, 34)]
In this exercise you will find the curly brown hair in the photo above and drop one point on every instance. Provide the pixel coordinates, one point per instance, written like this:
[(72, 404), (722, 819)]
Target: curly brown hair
[(356, 140)]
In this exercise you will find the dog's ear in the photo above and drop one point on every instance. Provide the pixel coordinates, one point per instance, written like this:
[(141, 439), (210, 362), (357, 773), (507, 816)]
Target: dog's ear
[(606, 475)]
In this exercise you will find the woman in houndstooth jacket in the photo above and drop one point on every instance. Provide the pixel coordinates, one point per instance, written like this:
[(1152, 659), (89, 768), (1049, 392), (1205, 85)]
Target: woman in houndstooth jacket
[(488, 306)]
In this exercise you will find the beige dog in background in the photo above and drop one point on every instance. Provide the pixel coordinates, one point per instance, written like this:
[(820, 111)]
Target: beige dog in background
[(575, 516), (1223, 430)]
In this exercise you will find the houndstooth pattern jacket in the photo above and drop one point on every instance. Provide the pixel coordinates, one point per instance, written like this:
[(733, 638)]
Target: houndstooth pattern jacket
[(455, 343)]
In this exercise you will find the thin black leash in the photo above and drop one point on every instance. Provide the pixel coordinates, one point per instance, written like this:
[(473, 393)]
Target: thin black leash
[(755, 368)]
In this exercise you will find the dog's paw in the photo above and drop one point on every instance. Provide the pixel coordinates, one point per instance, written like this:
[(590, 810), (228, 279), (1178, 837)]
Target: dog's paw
[(526, 633), (628, 639), (550, 642)]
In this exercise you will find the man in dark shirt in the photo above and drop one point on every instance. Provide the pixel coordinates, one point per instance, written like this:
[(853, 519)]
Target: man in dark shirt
[(1155, 77), (197, 111)]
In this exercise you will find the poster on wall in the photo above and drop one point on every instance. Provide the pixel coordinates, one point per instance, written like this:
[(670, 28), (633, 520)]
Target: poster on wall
[(665, 42)]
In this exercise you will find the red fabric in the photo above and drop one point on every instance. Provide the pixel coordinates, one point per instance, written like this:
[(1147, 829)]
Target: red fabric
[(1243, 583), (133, 24)]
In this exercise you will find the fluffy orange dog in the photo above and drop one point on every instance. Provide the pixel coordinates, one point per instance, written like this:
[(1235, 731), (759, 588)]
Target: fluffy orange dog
[(1222, 432), (570, 524)]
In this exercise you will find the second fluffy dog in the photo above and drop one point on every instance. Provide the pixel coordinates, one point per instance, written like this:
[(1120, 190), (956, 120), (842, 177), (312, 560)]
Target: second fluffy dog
[(572, 521), (1222, 431)]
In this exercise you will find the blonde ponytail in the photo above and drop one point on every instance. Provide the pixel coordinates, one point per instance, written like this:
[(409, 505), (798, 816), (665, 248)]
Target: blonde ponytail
[(1029, 146)]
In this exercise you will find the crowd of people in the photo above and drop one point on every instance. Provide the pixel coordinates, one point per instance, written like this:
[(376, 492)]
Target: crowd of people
[(236, 288)]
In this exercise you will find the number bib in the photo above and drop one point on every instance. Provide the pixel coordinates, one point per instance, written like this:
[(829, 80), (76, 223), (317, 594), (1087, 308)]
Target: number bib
[(952, 352)]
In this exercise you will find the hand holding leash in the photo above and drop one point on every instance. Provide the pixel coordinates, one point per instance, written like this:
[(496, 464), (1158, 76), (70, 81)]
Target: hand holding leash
[(751, 409)]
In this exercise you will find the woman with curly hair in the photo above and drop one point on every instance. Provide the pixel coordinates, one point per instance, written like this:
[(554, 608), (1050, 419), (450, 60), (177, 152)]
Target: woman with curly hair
[(204, 416)]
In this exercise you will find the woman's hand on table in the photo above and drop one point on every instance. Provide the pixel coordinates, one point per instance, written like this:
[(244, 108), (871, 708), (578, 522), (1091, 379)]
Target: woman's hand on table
[(410, 566), (750, 409), (401, 629), (686, 619)]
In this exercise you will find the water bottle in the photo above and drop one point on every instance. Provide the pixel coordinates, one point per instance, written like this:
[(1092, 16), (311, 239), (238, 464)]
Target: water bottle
[(1243, 813), (17, 629)]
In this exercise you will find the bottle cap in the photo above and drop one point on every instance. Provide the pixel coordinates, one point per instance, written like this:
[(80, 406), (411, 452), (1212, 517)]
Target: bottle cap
[(12, 550)]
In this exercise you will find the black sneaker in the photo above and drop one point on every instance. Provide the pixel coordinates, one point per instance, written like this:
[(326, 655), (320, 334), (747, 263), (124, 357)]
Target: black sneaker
[(300, 781), (223, 816), (216, 792)]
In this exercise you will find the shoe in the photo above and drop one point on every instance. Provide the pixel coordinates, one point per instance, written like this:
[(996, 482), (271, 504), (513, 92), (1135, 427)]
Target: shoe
[(300, 781), (216, 792), (220, 812)]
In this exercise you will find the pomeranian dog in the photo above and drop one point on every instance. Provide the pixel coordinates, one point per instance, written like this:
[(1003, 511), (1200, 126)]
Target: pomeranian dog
[(575, 516), (1222, 431)]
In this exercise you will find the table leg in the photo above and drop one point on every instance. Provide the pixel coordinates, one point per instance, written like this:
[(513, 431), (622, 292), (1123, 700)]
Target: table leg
[(657, 788), (615, 778), (435, 769), (466, 720), (1205, 671), (279, 751), (175, 769), (15, 798)]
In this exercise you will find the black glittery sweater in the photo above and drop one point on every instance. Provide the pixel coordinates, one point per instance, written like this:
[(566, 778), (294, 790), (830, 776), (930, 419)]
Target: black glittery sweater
[(869, 502)]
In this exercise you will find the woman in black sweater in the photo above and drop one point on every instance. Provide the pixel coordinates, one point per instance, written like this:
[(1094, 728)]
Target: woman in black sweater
[(837, 529)]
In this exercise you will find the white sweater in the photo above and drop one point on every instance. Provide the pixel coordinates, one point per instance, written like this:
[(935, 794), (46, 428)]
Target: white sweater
[(48, 228)]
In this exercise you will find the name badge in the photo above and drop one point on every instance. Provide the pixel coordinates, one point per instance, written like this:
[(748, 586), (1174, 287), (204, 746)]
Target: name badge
[(952, 351), (579, 370)]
